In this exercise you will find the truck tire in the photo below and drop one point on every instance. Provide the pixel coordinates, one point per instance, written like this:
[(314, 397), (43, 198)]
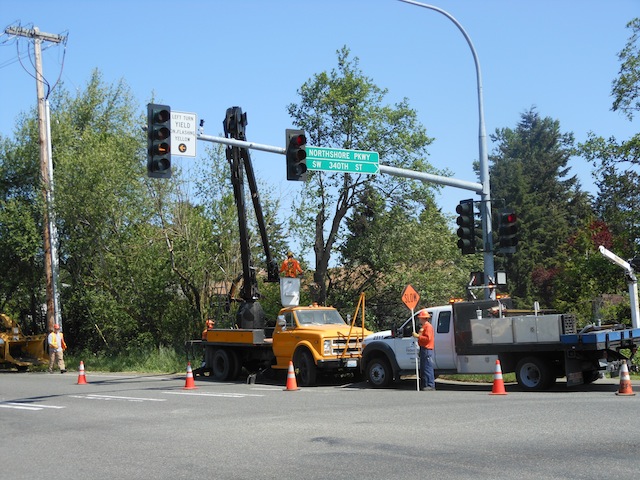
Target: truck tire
[(379, 373), (534, 374), (306, 368), (225, 365)]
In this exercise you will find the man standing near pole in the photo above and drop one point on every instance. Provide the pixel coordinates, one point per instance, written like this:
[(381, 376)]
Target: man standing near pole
[(57, 346), (425, 341)]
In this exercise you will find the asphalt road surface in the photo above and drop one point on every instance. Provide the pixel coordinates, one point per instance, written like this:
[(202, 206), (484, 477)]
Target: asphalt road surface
[(150, 427)]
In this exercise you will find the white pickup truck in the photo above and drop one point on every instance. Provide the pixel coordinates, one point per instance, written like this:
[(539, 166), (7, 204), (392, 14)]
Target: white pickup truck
[(471, 336)]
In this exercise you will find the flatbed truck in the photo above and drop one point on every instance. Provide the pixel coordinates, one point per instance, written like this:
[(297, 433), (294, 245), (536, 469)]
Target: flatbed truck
[(471, 336)]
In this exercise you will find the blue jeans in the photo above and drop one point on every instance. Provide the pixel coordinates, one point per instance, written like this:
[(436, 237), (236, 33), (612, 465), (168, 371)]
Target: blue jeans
[(427, 378)]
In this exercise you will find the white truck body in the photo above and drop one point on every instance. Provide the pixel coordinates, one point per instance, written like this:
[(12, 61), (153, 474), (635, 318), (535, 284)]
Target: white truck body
[(470, 336), (446, 360)]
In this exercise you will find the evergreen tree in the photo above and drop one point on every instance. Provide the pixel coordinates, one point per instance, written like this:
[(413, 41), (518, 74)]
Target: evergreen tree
[(529, 173)]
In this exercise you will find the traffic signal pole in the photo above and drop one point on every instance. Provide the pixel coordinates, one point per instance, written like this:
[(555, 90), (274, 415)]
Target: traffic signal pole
[(485, 195)]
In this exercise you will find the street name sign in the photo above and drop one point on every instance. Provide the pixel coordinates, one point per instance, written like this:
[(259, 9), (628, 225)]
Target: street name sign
[(183, 133), (341, 160)]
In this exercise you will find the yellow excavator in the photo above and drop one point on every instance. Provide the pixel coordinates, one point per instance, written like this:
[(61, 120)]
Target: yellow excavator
[(18, 350)]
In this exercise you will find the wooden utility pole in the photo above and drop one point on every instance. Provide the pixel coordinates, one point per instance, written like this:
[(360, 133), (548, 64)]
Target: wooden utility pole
[(53, 315)]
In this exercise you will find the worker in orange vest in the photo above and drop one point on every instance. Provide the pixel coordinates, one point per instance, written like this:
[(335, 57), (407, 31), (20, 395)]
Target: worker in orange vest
[(291, 266), (426, 342), (57, 346), (209, 324)]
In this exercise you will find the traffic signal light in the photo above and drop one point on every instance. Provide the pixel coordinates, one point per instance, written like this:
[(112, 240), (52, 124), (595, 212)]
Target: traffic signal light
[(507, 232), (296, 155), (466, 227), (158, 141)]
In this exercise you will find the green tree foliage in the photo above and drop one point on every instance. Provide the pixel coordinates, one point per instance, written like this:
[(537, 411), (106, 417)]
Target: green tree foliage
[(625, 87), (344, 109), (529, 173), (221, 272), (141, 263), (389, 247), (584, 274), (616, 162), (21, 253), (112, 261), (617, 178)]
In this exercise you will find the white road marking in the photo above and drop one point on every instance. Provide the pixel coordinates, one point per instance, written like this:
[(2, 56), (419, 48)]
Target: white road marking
[(27, 406), (115, 397), (221, 394)]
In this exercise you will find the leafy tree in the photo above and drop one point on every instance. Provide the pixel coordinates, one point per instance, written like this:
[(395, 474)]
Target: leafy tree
[(616, 162), (390, 247), (21, 251), (625, 87), (584, 274), (344, 109), (111, 257), (529, 173)]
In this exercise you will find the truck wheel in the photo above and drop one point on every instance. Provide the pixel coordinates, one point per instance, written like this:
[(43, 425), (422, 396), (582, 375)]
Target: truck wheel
[(534, 374), (379, 373), (225, 365), (306, 367)]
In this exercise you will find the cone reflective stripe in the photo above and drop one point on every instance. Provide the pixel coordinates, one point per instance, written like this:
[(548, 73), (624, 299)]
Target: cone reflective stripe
[(189, 384), (498, 383), (292, 384), (82, 380), (625, 382)]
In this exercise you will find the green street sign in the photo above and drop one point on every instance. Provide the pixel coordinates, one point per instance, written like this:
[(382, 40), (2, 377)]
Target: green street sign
[(340, 160)]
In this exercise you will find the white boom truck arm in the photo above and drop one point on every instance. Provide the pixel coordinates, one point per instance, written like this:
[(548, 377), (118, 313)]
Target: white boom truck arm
[(632, 281)]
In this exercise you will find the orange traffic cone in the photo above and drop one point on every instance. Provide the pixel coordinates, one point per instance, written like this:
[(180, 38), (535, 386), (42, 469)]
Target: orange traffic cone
[(82, 380), (291, 378), (625, 381), (498, 384), (189, 384)]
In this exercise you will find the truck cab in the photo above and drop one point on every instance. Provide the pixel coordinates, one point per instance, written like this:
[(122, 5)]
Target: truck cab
[(316, 338), (391, 354)]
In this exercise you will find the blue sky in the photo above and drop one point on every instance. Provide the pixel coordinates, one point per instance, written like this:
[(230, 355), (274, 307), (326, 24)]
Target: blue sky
[(557, 55)]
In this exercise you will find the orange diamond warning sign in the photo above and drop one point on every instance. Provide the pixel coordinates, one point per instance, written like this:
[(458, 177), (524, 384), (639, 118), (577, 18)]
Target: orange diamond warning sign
[(410, 297)]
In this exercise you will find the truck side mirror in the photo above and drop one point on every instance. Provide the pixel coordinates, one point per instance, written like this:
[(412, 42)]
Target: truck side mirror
[(282, 323), (394, 331)]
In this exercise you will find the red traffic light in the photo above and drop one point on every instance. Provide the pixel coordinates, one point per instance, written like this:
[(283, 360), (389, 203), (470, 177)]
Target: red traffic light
[(508, 232), (296, 155)]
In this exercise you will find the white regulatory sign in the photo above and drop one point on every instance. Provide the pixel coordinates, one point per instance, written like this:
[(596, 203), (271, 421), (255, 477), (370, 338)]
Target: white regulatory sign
[(183, 133)]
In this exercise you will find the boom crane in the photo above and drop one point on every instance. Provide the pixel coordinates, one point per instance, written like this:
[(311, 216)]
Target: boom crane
[(250, 314)]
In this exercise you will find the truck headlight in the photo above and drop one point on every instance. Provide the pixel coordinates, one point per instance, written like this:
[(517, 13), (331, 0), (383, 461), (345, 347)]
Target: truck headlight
[(327, 347)]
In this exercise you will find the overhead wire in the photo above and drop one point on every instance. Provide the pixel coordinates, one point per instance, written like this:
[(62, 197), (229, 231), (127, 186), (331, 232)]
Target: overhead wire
[(28, 54)]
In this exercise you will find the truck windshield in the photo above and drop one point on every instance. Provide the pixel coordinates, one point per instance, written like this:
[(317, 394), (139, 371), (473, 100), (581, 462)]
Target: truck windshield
[(319, 317)]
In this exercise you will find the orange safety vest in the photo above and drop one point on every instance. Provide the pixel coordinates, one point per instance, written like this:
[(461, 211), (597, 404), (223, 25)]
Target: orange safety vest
[(291, 268), (53, 340), (425, 339)]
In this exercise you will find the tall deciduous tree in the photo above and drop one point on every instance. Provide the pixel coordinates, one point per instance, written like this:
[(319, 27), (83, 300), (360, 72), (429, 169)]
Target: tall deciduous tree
[(344, 109), (616, 163), (21, 255)]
